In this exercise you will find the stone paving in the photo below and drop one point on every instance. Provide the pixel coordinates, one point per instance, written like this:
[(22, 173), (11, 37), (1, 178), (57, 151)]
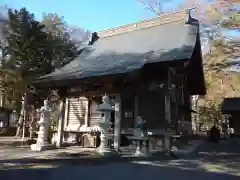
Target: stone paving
[(207, 161), (25, 152), (20, 152)]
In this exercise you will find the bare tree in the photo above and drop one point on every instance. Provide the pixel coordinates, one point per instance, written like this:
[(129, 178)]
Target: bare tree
[(155, 6), (56, 24), (77, 34)]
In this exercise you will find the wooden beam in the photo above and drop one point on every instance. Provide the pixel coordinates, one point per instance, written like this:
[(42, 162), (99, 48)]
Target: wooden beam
[(89, 93)]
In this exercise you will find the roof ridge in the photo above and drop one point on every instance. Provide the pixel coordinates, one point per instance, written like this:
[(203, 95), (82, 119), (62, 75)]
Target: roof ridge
[(160, 20)]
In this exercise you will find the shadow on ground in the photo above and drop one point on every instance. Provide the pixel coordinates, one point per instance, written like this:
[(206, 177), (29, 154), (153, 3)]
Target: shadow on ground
[(209, 161), (83, 158), (222, 156), (169, 170)]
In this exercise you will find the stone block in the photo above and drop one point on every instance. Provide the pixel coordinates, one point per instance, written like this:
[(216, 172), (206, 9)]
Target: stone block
[(42, 147)]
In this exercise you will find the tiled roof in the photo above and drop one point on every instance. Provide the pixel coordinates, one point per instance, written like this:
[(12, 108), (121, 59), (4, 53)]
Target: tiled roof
[(126, 48)]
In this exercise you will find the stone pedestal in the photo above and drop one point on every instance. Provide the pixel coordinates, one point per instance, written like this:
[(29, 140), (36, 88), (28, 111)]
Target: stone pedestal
[(174, 145), (104, 148), (142, 149), (42, 147), (42, 140), (167, 145)]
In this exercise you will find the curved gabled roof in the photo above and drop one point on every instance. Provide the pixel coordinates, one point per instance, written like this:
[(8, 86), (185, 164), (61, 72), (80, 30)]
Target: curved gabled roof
[(127, 48)]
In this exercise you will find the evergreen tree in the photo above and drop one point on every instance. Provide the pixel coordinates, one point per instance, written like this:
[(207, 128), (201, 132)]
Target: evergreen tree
[(29, 51)]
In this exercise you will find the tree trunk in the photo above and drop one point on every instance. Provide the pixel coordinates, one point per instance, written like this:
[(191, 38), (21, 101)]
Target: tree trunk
[(2, 95), (24, 123), (195, 123), (21, 121)]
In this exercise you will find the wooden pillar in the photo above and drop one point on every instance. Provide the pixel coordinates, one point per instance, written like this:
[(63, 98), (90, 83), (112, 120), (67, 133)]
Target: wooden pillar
[(174, 99), (136, 107), (89, 110), (60, 129), (117, 123), (182, 100), (167, 145), (86, 112), (66, 113)]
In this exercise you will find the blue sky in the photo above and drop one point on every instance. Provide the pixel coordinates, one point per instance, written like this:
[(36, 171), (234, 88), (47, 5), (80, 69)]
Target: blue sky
[(93, 15)]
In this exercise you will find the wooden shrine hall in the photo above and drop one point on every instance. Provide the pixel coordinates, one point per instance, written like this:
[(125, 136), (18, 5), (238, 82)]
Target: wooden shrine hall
[(150, 68)]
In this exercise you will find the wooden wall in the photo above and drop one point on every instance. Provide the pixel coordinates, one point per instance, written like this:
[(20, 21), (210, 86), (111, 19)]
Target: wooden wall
[(76, 114), (127, 114), (94, 115), (149, 104), (81, 113), (151, 107)]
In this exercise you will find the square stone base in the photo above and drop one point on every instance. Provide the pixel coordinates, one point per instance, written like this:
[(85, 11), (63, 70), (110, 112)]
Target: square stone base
[(104, 152), (141, 153), (42, 147)]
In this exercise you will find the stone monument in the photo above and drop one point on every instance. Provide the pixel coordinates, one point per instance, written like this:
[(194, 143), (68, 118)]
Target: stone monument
[(141, 137), (105, 108), (42, 140)]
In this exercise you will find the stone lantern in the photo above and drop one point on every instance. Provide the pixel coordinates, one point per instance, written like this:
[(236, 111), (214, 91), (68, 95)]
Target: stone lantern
[(141, 137), (42, 140), (105, 108)]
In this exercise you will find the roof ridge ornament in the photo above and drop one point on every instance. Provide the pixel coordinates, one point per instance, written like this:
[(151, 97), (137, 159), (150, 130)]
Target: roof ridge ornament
[(188, 18), (188, 15), (93, 38)]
